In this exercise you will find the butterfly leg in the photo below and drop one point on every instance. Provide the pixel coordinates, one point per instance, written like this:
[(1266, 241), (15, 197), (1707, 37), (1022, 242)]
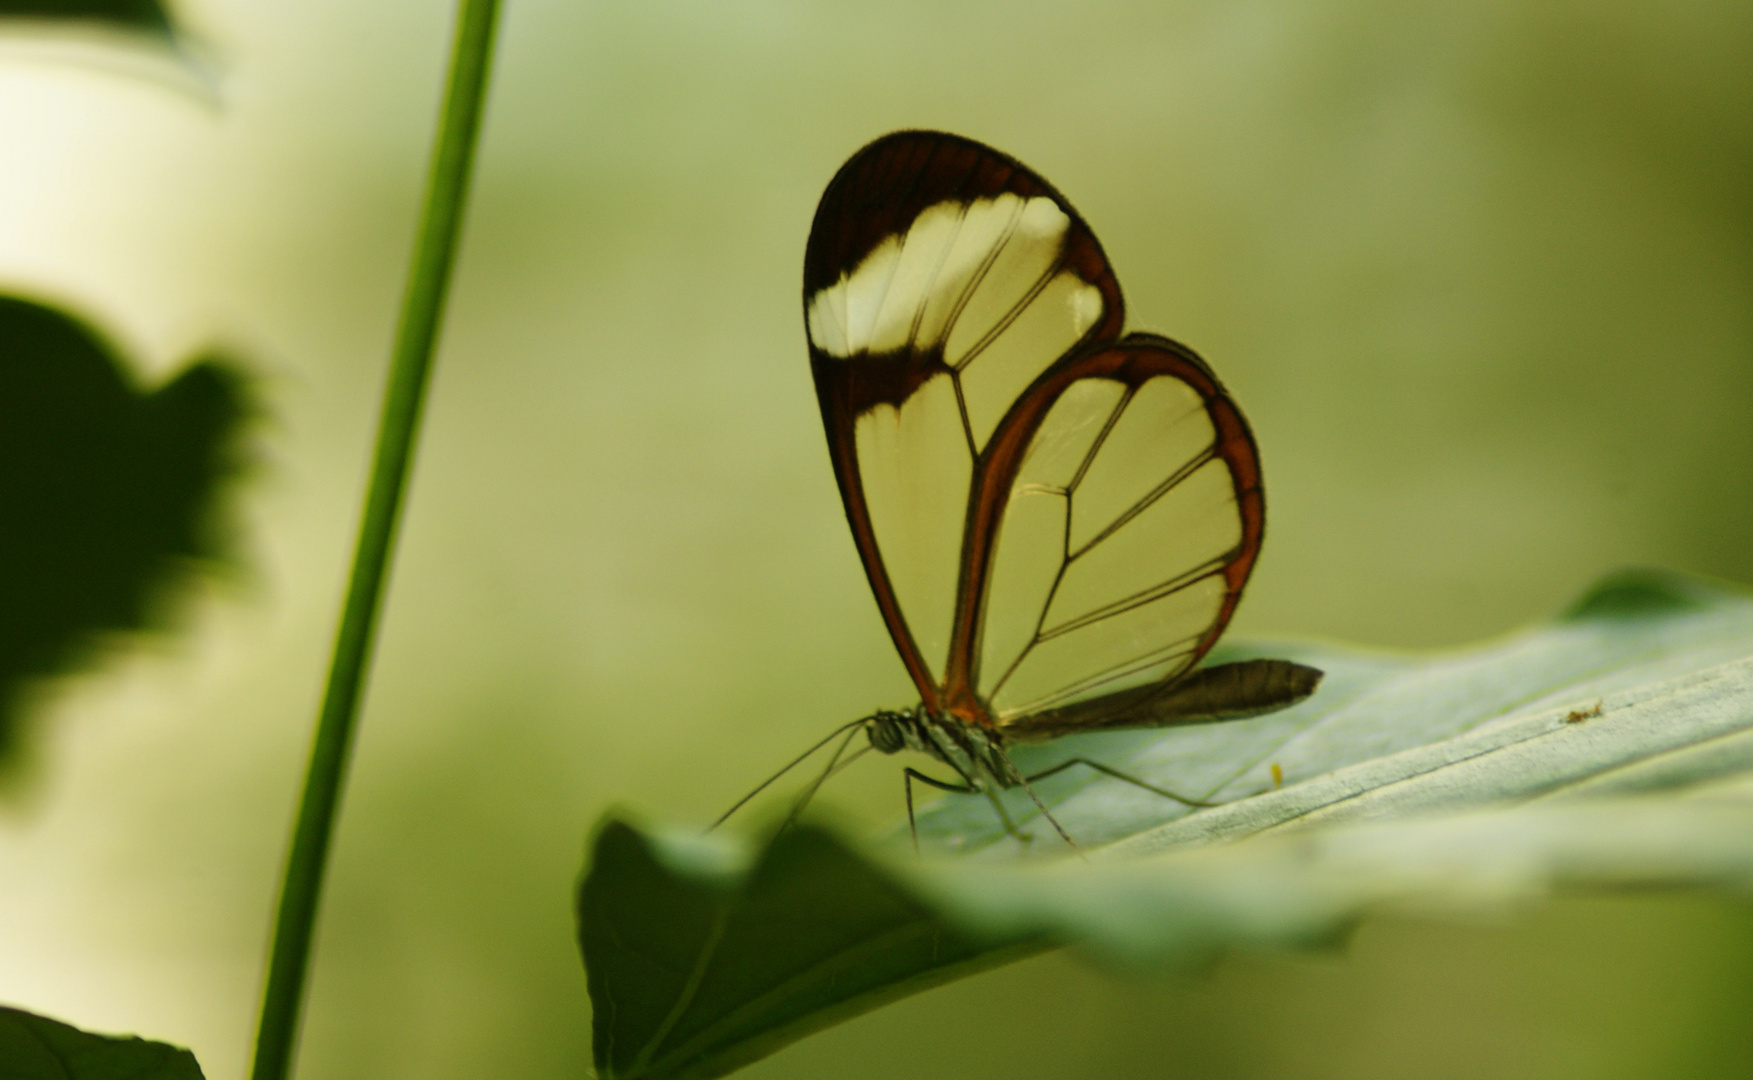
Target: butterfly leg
[(1004, 815), (1017, 779), (1118, 775), (911, 774), (968, 787)]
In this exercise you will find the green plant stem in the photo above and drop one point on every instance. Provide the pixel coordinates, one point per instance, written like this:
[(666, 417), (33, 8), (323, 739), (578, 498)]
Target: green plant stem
[(416, 334)]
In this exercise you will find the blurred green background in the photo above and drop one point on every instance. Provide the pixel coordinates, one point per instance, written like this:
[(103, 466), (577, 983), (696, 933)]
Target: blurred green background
[(1479, 273)]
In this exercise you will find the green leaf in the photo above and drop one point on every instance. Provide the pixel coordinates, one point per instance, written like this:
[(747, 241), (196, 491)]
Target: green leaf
[(109, 494), (141, 15), (1633, 629), (1612, 747), (37, 1048), (813, 934)]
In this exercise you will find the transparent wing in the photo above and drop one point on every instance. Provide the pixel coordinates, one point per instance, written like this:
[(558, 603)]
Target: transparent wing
[(1122, 515), (941, 281)]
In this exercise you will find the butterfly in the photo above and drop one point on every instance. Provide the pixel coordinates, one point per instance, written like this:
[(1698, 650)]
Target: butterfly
[(1057, 520)]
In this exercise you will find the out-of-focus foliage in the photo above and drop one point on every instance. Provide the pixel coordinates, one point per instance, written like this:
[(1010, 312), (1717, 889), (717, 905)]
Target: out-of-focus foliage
[(704, 956), (1477, 273), (700, 964), (131, 14), (108, 493), (37, 1048), (1633, 629)]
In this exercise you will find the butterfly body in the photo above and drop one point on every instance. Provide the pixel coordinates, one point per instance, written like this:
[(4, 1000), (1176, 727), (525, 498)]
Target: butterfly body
[(975, 752)]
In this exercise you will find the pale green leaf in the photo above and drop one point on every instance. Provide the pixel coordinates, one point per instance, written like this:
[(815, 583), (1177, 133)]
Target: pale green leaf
[(1610, 748)]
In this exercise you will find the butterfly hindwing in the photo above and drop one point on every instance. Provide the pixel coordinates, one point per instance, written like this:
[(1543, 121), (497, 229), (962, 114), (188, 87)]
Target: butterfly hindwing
[(1122, 515)]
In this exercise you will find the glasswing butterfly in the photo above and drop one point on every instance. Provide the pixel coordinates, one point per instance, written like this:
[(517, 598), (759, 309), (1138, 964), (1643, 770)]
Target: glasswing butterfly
[(1057, 520)]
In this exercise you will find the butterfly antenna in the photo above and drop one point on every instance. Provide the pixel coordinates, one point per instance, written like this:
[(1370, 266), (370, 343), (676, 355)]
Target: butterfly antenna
[(850, 758), (740, 803), (834, 765)]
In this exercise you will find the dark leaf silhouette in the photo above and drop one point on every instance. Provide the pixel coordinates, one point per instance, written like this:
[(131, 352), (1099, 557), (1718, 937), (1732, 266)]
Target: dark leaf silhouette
[(37, 1048), (145, 15), (107, 493)]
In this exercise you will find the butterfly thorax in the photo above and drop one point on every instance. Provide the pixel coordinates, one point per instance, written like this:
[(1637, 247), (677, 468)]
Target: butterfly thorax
[(976, 753)]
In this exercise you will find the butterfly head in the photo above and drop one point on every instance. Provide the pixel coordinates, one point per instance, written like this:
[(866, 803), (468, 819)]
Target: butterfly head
[(888, 730)]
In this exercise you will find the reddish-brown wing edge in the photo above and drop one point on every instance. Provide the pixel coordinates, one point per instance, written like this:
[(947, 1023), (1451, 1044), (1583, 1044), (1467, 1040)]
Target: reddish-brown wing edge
[(878, 192), (1133, 360)]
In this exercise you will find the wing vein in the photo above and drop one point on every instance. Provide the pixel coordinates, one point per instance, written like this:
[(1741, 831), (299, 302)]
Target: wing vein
[(943, 257), (1180, 647), (962, 411), (1015, 312), (1089, 458), (1046, 605), (979, 275), (1064, 539), (1175, 479), (876, 313), (1143, 596)]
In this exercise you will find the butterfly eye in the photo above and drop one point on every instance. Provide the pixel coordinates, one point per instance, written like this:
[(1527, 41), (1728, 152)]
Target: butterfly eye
[(886, 734)]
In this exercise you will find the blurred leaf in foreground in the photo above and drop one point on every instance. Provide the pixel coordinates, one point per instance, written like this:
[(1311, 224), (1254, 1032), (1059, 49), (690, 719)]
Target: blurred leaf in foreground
[(108, 495), (37, 1048), (815, 933), (1610, 748), (146, 15)]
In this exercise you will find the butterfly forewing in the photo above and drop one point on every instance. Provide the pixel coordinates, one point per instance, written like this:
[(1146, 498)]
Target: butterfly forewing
[(1047, 514), (941, 280)]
